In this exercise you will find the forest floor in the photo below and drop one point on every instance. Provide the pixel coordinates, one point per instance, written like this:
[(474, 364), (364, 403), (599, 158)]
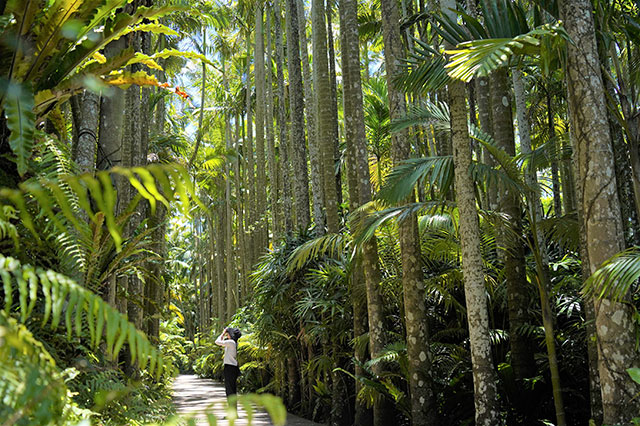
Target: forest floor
[(196, 396)]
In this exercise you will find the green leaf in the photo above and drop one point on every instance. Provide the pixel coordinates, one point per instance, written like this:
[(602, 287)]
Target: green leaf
[(615, 278), (21, 120), (481, 57), (635, 374), (61, 292), (426, 113), (401, 181)]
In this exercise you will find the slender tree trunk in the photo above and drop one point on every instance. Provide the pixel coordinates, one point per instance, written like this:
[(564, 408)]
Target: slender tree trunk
[(211, 221), (324, 129), (514, 262), (484, 375), (130, 137), (296, 103), (233, 290), (334, 103), (220, 266), (242, 260), (276, 220), (483, 98), (203, 92), (84, 152), (542, 258), (293, 381), (423, 409), (339, 416), (355, 135), (365, 291), (555, 179), (285, 167), (250, 175), (261, 178), (310, 109), (601, 218), (110, 143)]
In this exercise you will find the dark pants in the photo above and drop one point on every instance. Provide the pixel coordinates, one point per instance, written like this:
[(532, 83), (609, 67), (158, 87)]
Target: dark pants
[(231, 373)]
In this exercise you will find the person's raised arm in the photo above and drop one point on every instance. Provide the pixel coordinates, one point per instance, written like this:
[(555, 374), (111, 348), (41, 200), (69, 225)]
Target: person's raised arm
[(220, 341)]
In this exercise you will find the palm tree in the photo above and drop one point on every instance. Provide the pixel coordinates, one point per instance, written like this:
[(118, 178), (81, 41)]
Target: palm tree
[(310, 111), (261, 179), (484, 376), (422, 398), (296, 105), (599, 206), (285, 166), (324, 116)]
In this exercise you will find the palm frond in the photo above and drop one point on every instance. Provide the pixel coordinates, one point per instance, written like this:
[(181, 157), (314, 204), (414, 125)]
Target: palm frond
[(563, 230), (423, 71), (478, 58), (426, 113), (369, 217), (401, 181), (616, 277), (509, 165), (326, 245)]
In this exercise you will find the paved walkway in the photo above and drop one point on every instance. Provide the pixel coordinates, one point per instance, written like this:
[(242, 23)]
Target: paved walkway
[(198, 397)]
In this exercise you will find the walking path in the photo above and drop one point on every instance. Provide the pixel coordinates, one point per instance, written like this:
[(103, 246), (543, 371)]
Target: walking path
[(196, 396)]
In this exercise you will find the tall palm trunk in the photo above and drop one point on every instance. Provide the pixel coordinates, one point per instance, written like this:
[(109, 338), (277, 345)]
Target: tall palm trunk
[(310, 110), (600, 209), (484, 375), (514, 262), (365, 293), (285, 166), (483, 98), (334, 102), (296, 103), (423, 410), (130, 138), (88, 111), (276, 220), (223, 315), (250, 175), (324, 129), (243, 263), (261, 178), (555, 178), (233, 290)]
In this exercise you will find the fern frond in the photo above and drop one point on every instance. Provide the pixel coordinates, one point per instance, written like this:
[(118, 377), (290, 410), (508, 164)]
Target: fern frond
[(59, 69), (63, 297), (157, 183), (8, 229), (21, 120)]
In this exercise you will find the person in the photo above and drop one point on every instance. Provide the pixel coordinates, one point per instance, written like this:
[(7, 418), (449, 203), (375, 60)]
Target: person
[(229, 340)]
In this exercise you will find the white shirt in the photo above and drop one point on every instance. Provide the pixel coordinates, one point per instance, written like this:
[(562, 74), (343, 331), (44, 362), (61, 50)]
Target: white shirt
[(230, 350)]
